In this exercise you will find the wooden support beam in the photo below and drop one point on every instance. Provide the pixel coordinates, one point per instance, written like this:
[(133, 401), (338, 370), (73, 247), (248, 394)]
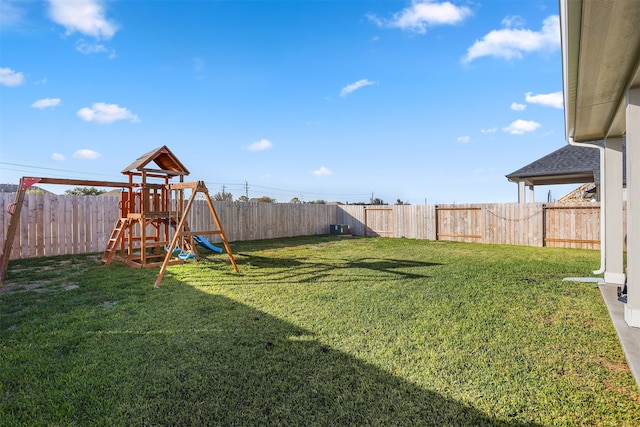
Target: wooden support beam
[(162, 171), (14, 209), (196, 233), (127, 239), (80, 182), (193, 185), (174, 241), (182, 229), (219, 225)]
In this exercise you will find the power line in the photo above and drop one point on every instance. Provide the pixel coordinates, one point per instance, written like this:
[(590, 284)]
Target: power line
[(244, 187), (50, 169), (241, 187)]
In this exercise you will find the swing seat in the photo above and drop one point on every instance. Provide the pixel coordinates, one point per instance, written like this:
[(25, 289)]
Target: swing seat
[(175, 250), (185, 256)]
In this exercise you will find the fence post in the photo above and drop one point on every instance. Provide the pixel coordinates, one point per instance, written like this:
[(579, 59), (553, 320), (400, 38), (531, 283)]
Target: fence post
[(543, 226), (435, 216), (60, 228)]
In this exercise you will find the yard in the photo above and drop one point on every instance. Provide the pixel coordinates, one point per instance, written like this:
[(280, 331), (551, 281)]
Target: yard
[(315, 331)]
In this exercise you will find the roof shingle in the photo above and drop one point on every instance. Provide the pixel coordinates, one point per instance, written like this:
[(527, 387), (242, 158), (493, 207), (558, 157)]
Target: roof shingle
[(565, 162)]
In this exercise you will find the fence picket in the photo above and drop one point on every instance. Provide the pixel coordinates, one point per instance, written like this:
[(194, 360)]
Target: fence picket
[(55, 225)]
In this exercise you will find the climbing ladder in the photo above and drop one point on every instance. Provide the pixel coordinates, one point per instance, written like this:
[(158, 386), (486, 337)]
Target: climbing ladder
[(112, 244), (183, 235)]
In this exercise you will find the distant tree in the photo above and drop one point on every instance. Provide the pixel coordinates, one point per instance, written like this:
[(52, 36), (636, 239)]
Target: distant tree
[(400, 202), (242, 199), (319, 202), (377, 201), (295, 200), (265, 199), (223, 196), (35, 190), (84, 191)]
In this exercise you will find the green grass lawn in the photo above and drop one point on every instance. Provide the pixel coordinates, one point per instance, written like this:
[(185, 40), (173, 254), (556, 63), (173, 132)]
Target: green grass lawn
[(315, 331)]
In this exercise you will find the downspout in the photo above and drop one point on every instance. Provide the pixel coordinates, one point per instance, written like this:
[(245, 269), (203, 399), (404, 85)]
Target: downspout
[(569, 95), (602, 200)]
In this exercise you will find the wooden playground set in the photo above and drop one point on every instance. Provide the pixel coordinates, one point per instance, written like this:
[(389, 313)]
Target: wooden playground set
[(152, 229)]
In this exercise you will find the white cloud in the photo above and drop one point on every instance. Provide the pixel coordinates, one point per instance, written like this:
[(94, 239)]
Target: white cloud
[(322, 171), (106, 113), (510, 43), (86, 154), (87, 48), (554, 99), (518, 107), (57, 157), (520, 127), (513, 21), (464, 139), (263, 144), (46, 103), (10, 78), (490, 130), (423, 14), (355, 86), (83, 16)]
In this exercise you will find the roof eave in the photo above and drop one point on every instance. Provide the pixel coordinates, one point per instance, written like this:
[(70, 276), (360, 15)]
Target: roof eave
[(600, 62)]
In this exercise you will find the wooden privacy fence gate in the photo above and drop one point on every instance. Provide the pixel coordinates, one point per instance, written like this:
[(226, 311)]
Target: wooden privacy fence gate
[(458, 222), (379, 221), (552, 225), (57, 225), (569, 225)]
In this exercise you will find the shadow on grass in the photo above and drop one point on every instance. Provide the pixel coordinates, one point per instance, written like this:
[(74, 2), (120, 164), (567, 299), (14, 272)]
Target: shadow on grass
[(315, 269), (288, 242), (125, 354), (305, 269)]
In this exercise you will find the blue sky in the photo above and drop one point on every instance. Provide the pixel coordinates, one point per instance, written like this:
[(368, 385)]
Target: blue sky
[(420, 101)]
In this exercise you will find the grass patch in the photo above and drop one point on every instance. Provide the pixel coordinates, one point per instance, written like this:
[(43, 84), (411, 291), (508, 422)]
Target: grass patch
[(315, 331)]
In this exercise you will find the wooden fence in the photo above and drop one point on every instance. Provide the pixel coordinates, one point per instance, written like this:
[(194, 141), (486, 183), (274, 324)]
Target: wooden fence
[(56, 225)]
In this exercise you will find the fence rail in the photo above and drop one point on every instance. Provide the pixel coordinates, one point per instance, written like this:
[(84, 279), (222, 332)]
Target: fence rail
[(57, 225)]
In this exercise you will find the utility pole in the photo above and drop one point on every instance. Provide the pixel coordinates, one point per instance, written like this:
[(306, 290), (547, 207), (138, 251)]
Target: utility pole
[(246, 189)]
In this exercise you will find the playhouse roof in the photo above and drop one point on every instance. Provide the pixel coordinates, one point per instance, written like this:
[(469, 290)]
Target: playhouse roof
[(163, 158)]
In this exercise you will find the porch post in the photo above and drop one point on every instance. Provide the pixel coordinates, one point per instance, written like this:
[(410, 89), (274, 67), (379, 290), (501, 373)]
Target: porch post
[(614, 233), (522, 197), (531, 194), (632, 307)]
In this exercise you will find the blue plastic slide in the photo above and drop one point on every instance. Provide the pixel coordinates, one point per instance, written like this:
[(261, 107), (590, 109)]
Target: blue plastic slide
[(202, 241)]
